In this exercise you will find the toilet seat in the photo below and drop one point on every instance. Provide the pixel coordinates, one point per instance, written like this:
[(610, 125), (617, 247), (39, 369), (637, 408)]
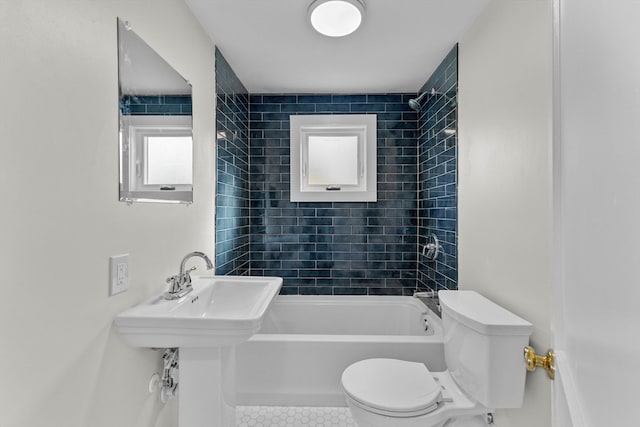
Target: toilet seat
[(395, 388)]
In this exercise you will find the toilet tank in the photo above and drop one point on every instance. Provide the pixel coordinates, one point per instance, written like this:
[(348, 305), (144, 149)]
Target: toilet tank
[(483, 348)]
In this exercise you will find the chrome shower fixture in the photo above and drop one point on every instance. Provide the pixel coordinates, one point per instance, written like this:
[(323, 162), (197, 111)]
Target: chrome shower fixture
[(432, 247), (416, 103)]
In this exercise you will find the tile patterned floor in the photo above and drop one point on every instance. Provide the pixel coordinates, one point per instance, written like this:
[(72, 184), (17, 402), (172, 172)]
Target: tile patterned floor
[(295, 416)]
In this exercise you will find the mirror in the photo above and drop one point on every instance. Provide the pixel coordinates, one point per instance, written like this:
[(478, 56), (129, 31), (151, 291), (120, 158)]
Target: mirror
[(155, 135)]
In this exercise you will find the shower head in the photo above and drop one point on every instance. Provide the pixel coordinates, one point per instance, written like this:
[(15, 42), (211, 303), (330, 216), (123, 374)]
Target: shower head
[(416, 103)]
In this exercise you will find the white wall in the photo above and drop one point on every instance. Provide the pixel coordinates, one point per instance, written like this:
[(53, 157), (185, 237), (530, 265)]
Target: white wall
[(505, 174), (62, 362)]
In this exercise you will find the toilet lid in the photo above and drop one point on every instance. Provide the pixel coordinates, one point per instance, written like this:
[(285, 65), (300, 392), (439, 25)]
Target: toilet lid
[(394, 386)]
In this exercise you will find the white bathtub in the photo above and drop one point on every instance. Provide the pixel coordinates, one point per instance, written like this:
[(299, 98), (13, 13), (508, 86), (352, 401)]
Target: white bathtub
[(307, 341)]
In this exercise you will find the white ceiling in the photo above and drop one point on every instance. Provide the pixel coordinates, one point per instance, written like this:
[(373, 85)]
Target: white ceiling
[(273, 49)]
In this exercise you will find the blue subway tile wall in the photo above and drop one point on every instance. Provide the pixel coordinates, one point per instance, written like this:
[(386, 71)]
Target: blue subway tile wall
[(437, 174), (159, 105), (232, 181), (338, 248), (334, 248)]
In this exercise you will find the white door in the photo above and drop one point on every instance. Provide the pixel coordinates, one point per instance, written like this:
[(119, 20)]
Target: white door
[(596, 284)]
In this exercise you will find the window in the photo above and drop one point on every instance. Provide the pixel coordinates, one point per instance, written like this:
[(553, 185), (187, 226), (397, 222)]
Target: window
[(158, 160), (333, 158), (168, 159)]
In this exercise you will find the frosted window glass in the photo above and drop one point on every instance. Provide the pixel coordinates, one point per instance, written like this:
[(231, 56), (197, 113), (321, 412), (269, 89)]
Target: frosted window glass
[(333, 160), (169, 160)]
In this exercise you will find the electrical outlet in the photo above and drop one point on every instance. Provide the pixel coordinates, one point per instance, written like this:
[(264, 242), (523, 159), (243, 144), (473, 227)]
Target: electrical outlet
[(118, 274)]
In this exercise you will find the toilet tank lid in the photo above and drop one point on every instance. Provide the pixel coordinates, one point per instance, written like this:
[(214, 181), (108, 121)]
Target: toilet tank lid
[(481, 314)]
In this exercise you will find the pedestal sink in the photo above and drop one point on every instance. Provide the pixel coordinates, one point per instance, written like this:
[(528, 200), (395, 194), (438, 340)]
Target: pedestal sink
[(206, 325)]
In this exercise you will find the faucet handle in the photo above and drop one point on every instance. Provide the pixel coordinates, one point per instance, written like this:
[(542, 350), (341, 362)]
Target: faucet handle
[(174, 284), (186, 277)]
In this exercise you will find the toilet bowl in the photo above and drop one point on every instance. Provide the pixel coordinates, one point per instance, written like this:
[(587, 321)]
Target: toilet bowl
[(483, 345), (398, 393)]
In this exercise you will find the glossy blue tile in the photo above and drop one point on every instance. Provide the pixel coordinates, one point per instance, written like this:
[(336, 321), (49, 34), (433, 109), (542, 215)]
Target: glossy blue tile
[(265, 108), (333, 108), (279, 99), (314, 99), (298, 108), (437, 152), (391, 98), (232, 207), (367, 108), (325, 248), (350, 99)]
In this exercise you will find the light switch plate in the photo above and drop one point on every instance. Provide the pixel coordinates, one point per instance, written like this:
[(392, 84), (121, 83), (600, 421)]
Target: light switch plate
[(118, 274)]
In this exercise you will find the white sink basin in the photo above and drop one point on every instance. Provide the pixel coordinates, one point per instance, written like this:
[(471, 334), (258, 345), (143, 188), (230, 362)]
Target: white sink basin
[(220, 311)]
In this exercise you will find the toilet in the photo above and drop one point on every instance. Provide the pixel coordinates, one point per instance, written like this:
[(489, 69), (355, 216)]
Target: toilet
[(483, 348)]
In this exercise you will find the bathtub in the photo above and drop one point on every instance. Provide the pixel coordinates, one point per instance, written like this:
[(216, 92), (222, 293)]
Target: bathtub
[(307, 341)]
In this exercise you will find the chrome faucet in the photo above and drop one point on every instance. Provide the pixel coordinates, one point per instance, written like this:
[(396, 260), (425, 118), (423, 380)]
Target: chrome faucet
[(180, 284), (430, 298)]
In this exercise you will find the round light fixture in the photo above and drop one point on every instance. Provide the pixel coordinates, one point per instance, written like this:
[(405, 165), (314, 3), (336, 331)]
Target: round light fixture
[(336, 18)]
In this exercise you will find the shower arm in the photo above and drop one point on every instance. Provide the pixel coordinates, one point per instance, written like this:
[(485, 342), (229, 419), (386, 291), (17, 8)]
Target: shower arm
[(416, 103)]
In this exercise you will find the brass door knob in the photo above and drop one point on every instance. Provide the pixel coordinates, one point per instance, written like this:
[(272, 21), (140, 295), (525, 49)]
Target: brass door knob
[(533, 361)]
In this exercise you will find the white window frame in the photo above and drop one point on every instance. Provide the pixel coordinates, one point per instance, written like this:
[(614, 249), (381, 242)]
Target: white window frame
[(361, 125), (133, 164)]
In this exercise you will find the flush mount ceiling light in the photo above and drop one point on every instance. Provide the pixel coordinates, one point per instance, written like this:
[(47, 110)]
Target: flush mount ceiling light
[(336, 18)]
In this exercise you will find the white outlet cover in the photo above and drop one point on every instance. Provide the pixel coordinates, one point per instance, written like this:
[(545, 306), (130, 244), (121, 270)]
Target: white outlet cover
[(118, 274)]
